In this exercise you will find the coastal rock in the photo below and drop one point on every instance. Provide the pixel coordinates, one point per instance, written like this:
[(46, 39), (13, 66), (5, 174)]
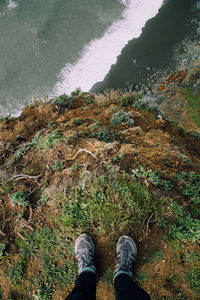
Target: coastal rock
[(175, 110)]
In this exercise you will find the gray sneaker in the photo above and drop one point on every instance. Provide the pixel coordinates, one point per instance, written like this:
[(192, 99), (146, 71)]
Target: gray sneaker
[(84, 250), (126, 253)]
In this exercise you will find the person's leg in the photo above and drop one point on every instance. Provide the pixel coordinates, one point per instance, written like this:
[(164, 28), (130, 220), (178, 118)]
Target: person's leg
[(85, 287), (125, 287), (85, 284)]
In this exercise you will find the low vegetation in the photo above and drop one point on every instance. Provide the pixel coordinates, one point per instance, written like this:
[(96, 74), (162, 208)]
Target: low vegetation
[(98, 164)]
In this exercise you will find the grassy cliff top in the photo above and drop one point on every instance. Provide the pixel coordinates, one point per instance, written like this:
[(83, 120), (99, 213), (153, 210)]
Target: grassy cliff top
[(105, 165)]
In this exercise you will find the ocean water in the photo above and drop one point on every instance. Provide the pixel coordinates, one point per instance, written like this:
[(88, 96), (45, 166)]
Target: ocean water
[(50, 47)]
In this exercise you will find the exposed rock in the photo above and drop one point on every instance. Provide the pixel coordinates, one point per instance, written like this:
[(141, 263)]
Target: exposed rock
[(175, 110)]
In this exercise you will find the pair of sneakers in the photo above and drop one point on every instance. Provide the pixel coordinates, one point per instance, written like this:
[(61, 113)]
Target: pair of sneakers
[(126, 252)]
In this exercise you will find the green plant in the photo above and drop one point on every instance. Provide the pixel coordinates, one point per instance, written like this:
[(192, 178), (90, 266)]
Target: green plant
[(122, 117), (141, 277), (189, 185), (109, 205), (58, 165), (50, 124), (185, 227), (36, 138), (78, 122), (193, 279), (63, 101), (108, 277), (20, 198), (50, 140), (105, 135), (129, 99), (20, 152), (88, 100), (44, 292), (156, 256), (15, 272), (172, 279), (191, 257)]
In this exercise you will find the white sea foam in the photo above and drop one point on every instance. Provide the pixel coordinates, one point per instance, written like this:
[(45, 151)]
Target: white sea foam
[(100, 54), (12, 4)]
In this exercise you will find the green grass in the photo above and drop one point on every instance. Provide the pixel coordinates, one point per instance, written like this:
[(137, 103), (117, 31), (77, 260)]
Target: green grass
[(193, 279), (111, 206), (141, 277), (56, 261), (78, 122), (108, 277), (50, 140), (193, 106), (58, 165)]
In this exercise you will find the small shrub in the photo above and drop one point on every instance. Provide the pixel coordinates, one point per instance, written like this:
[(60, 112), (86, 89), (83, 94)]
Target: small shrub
[(193, 279), (50, 124), (44, 292), (122, 117), (36, 138), (20, 198), (185, 227), (19, 153), (50, 140), (63, 101), (129, 99), (105, 135), (78, 122), (58, 165)]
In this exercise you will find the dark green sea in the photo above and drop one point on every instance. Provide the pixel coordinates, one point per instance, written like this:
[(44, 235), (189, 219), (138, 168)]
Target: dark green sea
[(50, 47)]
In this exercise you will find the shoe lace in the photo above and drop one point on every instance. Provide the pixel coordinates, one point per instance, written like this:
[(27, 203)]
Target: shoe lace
[(84, 258), (125, 260)]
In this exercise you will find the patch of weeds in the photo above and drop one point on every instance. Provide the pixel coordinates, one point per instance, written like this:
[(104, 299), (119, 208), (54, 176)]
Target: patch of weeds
[(2, 248), (109, 205), (184, 227), (193, 279), (151, 176), (78, 122), (4, 188), (15, 272), (108, 277), (141, 277), (119, 156), (19, 153), (156, 256), (43, 197), (52, 123), (44, 292), (191, 257), (20, 198), (105, 135), (36, 138), (63, 101), (58, 165), (168, 186), (77, 92), (122, 117), (50, 140), (172, 279), (88, 100), (74, 167), (193, 106), (189, 185), (129, 99)]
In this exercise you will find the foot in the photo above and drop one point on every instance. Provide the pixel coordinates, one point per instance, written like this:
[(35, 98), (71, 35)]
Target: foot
[(126, 253), (84, 250)]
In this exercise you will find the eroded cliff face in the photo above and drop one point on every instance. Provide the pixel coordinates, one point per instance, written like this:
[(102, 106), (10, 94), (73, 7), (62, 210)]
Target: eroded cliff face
[(71, 145)]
